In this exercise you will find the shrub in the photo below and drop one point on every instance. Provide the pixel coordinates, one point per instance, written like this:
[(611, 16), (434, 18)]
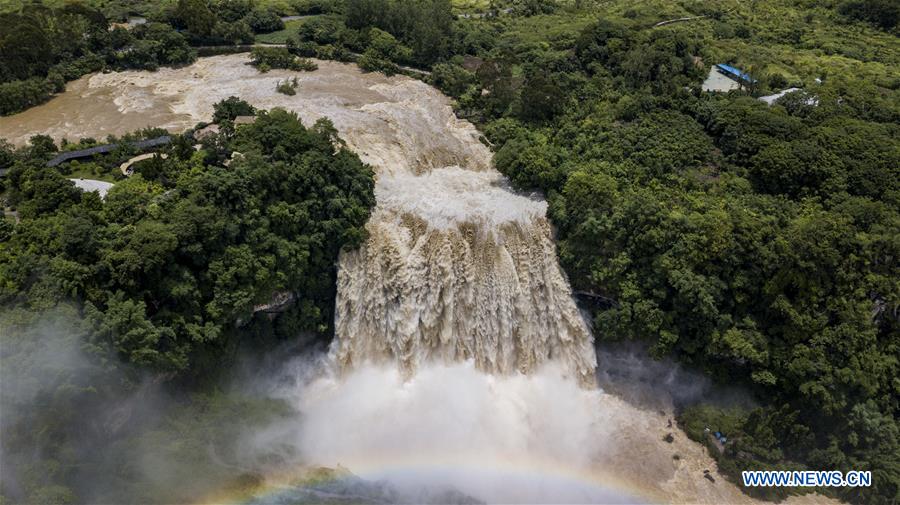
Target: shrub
[(20, 95), (264, 21), (371, 62), (265, 58), (287, 87), (231, 108), (452, 79)]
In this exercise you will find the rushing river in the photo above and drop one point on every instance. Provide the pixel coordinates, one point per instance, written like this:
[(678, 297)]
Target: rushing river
[(461, 363)]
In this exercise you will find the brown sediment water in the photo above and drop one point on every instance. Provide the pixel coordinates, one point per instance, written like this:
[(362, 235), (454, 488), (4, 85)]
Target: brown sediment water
[(86, 111), (457, 338), (177, 98)]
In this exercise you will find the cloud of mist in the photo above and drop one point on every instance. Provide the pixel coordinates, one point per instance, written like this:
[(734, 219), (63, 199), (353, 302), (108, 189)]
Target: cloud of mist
[(512, 439), (627, 370), (78, 426)]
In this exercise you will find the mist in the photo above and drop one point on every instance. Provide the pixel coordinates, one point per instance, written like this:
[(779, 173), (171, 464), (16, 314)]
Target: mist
[(290, 426), (78, 426), (627, 370), (498, 439)]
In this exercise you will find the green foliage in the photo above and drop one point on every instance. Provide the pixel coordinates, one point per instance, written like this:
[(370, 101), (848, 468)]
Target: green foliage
[(754, 242), (238, 32), (453, 80), (230, 108), (219, 22), (279, 57), (264, 21), (287, 87), (424, 26), (19, 95), (233, 10), (156, 44), (541, 98), (883, 13), (195, 16), (43, 48), (382, 53), (530, 161), (533, 7)]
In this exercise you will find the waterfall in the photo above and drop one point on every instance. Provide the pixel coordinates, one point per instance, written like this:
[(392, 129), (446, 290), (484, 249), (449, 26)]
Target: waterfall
[(457, 266), (459, 353)]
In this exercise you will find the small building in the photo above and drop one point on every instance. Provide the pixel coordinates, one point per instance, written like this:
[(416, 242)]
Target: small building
[(734, 73)]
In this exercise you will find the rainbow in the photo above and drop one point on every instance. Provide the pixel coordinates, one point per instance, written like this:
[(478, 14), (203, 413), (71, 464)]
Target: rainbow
[(588, 485)]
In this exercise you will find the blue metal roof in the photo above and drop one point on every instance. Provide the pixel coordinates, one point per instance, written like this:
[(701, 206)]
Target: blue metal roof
[(728, 69)]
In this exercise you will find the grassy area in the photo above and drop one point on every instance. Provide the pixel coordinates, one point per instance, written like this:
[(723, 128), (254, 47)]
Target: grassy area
[(281, 36), (94, 171), (560, 29), (466, 6), (824, 44)]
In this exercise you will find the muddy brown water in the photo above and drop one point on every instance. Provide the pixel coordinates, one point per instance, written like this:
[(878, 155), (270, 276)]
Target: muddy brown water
[(98, 105), (86, 111)]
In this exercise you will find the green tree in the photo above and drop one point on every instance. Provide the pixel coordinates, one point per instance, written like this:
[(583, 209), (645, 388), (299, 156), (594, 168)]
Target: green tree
[(231, 108), (196, 16)]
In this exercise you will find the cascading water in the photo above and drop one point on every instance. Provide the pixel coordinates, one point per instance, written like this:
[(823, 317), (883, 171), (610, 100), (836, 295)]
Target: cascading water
[(457, 267)]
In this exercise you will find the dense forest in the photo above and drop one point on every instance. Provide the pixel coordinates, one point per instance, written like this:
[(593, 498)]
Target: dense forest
[(757, 243)]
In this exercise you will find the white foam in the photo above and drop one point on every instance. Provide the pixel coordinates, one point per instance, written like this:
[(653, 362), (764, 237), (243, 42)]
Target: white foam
[(512, 439), (449, 196)]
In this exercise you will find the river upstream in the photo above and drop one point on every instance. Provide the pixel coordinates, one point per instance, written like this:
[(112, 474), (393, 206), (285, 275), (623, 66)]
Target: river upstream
[(461, 361)]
